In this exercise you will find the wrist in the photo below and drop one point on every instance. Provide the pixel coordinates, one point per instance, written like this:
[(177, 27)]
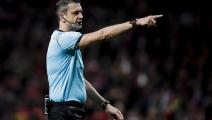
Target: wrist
[(133, 22), (104, 104)]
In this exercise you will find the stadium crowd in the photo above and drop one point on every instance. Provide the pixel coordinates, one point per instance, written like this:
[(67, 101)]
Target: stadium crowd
[(161, 73)]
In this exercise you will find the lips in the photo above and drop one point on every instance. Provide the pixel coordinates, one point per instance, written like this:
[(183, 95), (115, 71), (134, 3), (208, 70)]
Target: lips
[(79, 23)]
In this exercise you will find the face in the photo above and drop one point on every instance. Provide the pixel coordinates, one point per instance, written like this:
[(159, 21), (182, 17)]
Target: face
[(74, 15)]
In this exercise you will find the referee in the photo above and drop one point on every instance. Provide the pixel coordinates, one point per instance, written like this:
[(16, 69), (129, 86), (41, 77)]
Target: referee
[(68, 88)]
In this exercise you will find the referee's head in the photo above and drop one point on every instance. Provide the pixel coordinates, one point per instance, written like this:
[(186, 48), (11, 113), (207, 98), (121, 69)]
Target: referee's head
[(69, 14)]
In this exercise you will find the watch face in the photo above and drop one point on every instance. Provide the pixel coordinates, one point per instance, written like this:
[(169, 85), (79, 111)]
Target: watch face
[(104, 104), (133, 22)]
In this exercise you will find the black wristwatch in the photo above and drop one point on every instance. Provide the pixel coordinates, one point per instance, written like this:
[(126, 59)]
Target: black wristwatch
[(104, 104), (133, 22)]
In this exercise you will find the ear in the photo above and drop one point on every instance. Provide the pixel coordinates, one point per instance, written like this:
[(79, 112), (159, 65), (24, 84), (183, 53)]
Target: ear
[(61, 17)]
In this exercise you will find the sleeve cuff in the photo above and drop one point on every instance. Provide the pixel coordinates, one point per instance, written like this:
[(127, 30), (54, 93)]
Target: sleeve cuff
[(77, 43)]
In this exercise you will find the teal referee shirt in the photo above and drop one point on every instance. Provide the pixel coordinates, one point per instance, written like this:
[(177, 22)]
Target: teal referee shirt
[(65, 67)]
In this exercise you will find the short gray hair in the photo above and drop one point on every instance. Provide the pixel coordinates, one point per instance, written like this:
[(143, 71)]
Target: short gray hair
[(61, 5)]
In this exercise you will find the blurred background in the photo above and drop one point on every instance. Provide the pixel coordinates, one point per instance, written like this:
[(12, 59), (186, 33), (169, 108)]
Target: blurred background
[(161, 73)]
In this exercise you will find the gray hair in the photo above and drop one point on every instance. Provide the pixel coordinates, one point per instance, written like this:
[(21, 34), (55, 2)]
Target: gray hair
[(62, 5)]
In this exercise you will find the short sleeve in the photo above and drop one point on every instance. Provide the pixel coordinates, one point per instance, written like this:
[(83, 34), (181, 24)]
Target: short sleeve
[(69, 40)]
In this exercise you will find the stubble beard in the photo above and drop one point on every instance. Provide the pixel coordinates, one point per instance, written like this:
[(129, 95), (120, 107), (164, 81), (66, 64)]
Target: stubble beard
[(75, 27)]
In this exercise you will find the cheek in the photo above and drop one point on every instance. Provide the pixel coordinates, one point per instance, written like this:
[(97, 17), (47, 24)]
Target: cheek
[(70, 18), (74, 18)]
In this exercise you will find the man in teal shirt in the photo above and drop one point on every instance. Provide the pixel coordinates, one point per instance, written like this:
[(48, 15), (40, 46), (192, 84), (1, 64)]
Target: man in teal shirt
[(68, 89)]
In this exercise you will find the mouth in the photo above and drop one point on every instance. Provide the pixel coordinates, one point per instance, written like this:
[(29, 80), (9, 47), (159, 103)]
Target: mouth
[(79, 23)]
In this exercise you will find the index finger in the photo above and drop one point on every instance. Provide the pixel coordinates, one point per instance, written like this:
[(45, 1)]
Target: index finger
[(157, 16)]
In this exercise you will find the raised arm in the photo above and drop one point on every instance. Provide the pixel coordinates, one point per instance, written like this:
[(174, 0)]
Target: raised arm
[(114, 30)]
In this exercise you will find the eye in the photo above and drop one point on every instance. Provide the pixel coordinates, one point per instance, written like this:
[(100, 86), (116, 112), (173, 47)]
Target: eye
[(77, 12)]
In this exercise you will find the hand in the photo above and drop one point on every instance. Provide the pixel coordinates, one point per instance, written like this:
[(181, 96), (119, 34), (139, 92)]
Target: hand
[(149, 20), (115, 113)]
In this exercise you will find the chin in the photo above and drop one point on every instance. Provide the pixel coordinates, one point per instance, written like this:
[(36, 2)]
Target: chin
[(76, 27)]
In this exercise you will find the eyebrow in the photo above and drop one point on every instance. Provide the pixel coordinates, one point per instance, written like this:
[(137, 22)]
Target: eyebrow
[(78, 11)]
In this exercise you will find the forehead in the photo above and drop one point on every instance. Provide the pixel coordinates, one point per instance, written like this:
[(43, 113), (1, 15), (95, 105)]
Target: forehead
[(74, 7)]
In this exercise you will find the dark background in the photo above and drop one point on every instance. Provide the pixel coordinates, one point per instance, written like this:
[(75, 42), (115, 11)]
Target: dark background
[(160, 73)]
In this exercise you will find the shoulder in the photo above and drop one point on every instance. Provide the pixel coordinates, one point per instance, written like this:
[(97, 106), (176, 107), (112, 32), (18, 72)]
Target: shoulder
[(69, 35), (73, 33)]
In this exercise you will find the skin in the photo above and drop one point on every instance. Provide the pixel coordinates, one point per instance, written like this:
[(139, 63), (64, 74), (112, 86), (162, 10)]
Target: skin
[(72, 21)]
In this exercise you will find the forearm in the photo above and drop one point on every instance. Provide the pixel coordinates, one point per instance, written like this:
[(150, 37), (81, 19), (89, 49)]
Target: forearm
[(104, 34), (93, 94), (112, 31)]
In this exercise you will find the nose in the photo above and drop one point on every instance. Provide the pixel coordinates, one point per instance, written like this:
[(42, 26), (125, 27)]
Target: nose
[(80, 15)]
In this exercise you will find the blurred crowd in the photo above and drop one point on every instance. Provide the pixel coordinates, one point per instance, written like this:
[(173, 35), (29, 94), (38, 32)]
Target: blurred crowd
[(160, 73)]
